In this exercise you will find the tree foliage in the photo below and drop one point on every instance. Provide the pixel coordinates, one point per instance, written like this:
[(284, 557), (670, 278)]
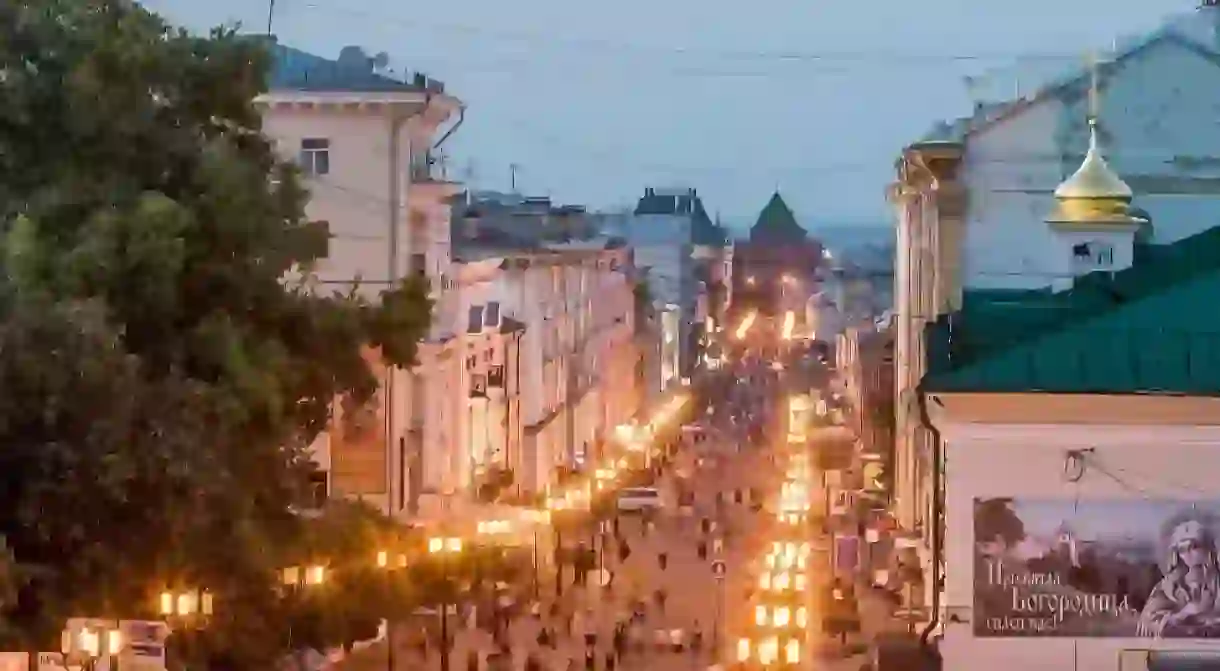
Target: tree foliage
[(161, 374), (995, 520)]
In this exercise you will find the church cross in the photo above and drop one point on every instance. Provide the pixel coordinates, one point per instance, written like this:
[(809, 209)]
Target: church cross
[(1094, 87)]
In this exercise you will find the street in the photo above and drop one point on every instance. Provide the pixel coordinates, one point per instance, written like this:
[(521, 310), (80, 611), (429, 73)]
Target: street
[(698, 607)]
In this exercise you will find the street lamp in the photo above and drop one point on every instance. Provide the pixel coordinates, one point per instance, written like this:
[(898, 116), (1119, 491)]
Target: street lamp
[(96, 643), (296, 578), (444, 546), (185, 603), (303, 576), (384, 563)]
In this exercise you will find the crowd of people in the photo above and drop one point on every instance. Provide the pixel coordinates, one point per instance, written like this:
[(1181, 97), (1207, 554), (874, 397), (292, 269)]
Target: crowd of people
[(609, 608)]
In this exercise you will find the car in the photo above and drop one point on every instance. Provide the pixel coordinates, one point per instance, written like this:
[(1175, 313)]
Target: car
[(639, 499)]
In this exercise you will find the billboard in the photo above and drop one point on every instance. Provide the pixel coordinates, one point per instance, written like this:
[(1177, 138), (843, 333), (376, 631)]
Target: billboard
[(1122, 568)]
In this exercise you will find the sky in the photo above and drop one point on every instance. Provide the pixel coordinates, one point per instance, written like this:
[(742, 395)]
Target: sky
[(595, 101)]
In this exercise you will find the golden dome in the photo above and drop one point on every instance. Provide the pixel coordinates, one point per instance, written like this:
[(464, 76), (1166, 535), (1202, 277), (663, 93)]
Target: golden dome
[(1094, 178), (1094, 194)]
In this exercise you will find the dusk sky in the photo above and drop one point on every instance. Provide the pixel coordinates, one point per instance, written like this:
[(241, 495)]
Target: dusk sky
[(595, 101)]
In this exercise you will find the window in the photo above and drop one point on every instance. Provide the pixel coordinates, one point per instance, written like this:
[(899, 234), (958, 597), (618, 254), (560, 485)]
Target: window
[(318, 487), (1093, 255), (315, 156), (475, 322), (491, 317), (419, 265)]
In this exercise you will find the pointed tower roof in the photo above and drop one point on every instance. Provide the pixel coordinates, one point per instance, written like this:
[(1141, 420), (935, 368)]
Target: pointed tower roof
[(777, 223)]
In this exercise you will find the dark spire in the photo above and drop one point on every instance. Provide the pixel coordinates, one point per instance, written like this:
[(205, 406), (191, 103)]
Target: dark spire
[(777, 223)]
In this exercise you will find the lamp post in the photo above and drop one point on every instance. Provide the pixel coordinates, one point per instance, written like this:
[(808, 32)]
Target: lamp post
[(295, 579), (185, 604), (444, 546), (388, 568), (185, 607), (98, 642)]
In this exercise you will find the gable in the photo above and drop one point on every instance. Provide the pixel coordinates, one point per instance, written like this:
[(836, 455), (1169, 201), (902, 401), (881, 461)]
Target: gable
[(1073, 84)]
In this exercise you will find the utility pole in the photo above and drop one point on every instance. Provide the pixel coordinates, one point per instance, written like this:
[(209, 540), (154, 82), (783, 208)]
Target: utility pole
[(512, 176), (270, 15)]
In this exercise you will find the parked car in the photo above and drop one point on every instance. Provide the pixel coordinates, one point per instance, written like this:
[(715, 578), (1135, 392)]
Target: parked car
[(639, 499)]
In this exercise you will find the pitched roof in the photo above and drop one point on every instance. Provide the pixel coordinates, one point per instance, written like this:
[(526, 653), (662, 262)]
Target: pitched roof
[(703, 231), (653, 202), (1192, 31), (296, 70), (776, 223), (1149, 328)]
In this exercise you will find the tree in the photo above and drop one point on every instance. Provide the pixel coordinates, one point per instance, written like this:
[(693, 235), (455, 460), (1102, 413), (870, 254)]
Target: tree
[(161, 374), (995, 520)]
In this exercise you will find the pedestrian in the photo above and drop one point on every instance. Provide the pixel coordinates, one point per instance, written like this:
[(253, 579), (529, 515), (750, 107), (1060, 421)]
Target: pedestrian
[(663, 560), (624, 551), (705, 526), (701, 550), (619, 641), (532, 663), (660, 597), (590, 659), (610, 661)]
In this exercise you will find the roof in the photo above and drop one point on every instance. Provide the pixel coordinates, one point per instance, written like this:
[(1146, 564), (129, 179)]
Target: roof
[(777, 223), (659, 202), (703, 231), (1193, 31), (1151, 328), (296, 70)]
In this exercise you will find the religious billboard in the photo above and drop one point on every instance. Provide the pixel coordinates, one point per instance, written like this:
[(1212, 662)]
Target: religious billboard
[(1117, 568)]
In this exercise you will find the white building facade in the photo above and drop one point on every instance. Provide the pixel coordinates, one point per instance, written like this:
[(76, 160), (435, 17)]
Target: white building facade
[(578, 355), (367, 147), (972, 200)]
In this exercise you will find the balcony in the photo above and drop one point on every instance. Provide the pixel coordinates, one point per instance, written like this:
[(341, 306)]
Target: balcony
[(429, 177)]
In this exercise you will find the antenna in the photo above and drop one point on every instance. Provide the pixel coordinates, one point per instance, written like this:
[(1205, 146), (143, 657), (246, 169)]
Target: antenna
[(512, 176)]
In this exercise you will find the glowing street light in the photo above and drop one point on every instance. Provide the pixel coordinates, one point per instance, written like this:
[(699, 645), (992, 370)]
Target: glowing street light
[(296, 576), (444, 547), (185, 603)]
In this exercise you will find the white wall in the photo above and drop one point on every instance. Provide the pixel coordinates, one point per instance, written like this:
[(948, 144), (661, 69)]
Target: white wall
[(985, 461), (1157, 107), (354, 197)]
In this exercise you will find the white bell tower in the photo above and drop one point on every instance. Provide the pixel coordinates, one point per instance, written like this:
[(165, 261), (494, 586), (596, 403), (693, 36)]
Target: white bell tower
[(1092, 226)]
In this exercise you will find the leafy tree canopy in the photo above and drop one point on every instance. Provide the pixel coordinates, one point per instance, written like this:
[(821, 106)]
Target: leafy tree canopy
[(161, 373)]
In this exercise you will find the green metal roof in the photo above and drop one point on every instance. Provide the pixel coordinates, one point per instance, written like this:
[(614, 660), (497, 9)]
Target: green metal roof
[(1150, 328), (777, 223)]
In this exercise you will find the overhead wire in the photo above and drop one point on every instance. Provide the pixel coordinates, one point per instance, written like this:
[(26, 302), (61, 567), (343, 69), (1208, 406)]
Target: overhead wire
[(553, 39)]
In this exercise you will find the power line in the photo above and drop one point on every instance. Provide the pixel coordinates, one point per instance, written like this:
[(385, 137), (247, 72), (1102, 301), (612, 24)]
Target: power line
[(551, 39)]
